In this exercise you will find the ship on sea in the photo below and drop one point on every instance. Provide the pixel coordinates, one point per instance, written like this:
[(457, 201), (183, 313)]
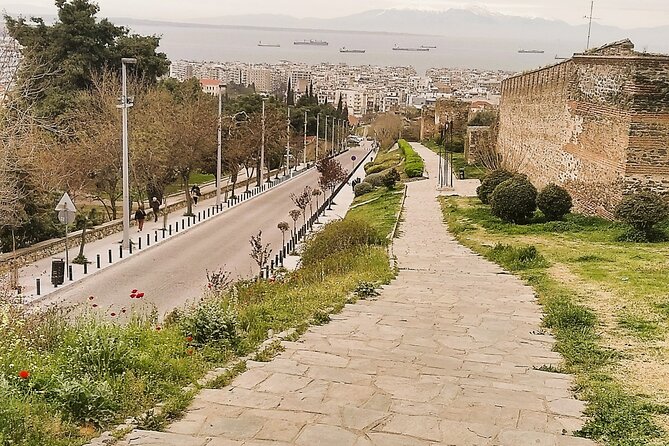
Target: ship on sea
[(531, 51), (347, 50), (311, 42), (429, 47), (269, 45), (401, 48)]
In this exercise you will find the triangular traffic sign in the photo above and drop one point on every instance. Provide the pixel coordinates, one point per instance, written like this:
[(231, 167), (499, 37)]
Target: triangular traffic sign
[(66, 204)]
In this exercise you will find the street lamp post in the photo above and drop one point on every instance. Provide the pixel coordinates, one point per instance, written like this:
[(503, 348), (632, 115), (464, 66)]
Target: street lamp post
[(262, 145), (325, 136), (305, 139), (333, 136), (318, 122), (219, 152), (125, 104), (288, 146)]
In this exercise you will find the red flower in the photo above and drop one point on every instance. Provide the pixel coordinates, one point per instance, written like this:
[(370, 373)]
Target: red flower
[(189, 351), (133, 295), (91, 297), (123, 310), (189, 338), (158, 327), (95, 305), (134, 291), (113, 314), (140, 295), (24, 374)]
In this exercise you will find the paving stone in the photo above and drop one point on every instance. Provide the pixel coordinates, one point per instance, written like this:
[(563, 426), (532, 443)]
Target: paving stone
[(324, 435)]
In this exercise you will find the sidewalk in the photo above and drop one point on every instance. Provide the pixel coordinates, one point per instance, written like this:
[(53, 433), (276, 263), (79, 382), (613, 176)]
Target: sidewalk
[(109, 247), (445, 356)]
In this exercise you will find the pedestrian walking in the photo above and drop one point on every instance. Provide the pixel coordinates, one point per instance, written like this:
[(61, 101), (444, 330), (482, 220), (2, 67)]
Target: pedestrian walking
[(140, 216), (155, 205), (195, 193)]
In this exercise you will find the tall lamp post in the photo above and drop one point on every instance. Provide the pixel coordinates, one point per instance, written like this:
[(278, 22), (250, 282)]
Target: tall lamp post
[(305, 138), (288, 146), (262, 146), (325, 136), (318, 122), (219, 153), (333, 135), (125, 105)]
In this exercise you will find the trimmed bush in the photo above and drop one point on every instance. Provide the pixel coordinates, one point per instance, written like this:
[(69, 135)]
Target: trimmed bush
[(554, 201), (375, 179), (515, 200), (362, 189), (391, 178), (413, 163), (643, 211), (490, 182)]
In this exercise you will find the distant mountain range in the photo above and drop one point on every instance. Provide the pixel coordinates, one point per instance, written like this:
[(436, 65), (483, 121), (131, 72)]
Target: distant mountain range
[(474, 23)]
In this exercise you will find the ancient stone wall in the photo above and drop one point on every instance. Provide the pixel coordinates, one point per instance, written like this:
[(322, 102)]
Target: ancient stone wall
[(478, 143), (596, 124)]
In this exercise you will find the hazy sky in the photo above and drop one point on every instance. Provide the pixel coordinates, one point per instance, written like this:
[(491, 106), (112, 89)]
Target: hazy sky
[(622, 13)]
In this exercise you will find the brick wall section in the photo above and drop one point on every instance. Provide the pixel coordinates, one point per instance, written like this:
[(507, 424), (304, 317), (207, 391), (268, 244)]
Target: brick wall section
[(597, 124), (479, 139)]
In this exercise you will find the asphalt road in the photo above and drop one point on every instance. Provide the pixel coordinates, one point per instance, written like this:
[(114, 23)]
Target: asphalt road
[(172, 273)]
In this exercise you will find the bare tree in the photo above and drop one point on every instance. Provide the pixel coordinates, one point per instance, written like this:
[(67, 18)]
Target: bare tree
[(332, 174), (295, 214), (259, 252), (316, 193), (302, 200), (283, 227), (386, 128)]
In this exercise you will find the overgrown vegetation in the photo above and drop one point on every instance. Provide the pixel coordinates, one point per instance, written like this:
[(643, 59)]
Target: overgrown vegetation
[(413, 163), (605, 302), (62, 383)]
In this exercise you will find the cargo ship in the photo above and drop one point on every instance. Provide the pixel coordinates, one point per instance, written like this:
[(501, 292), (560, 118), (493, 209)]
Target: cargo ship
[(269, 45), (401, 48), (429, 47), (311, 42), (347, 50), (531, 51)]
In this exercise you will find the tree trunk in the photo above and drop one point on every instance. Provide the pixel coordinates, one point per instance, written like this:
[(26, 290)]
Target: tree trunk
[(189, 200)]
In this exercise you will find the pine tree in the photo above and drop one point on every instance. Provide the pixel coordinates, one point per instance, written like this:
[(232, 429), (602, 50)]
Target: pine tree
[(290, 99), (340, 106), (311, 89)]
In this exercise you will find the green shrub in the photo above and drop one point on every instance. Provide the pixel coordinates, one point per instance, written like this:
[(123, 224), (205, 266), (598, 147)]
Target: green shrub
[(212, 321), (362, 189), (490, 182), (375, 179), (374, 168), (340, 236), (514, 200), (554, 202), (365, 289), (516, 259), (642, 211), (413, 163), (391, 178)]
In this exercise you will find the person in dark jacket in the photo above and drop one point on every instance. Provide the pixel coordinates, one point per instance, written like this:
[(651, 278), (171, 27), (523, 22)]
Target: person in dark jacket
[(195, 193), (140, 216), (155, 205)]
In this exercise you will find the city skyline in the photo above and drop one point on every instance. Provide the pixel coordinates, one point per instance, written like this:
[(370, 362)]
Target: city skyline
[(646, 13)]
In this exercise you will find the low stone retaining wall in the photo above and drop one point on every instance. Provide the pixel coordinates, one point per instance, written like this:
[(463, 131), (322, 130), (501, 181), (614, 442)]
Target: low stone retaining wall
[(51, 247)]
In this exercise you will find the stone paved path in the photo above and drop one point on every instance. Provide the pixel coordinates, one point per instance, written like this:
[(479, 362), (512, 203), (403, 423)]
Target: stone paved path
[(445, 356)]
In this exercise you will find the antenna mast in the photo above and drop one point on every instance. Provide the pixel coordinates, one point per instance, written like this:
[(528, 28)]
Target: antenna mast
[(592, 7)]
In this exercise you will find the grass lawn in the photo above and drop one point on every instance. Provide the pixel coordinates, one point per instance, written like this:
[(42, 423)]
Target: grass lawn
[(387, 158), (380, 208), (195, 178), (471, 170), (607, 303), (62, 383)]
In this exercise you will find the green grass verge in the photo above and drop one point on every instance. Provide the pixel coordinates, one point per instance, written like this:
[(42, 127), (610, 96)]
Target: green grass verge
[(387, 158), (195, 178), (88, 375), (604, 302), (380, 208), (471, 170), (413, 163)]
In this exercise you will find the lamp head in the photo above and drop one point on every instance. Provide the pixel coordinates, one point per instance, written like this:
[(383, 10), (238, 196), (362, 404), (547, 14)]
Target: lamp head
[(128, 60)]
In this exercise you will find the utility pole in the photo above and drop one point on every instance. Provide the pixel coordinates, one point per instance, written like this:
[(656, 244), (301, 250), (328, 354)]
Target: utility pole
[(305, 138), (219, 154), (262, 145), (125, 105), (333, 136), (288, 146), (318, 122), (326, 135)]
